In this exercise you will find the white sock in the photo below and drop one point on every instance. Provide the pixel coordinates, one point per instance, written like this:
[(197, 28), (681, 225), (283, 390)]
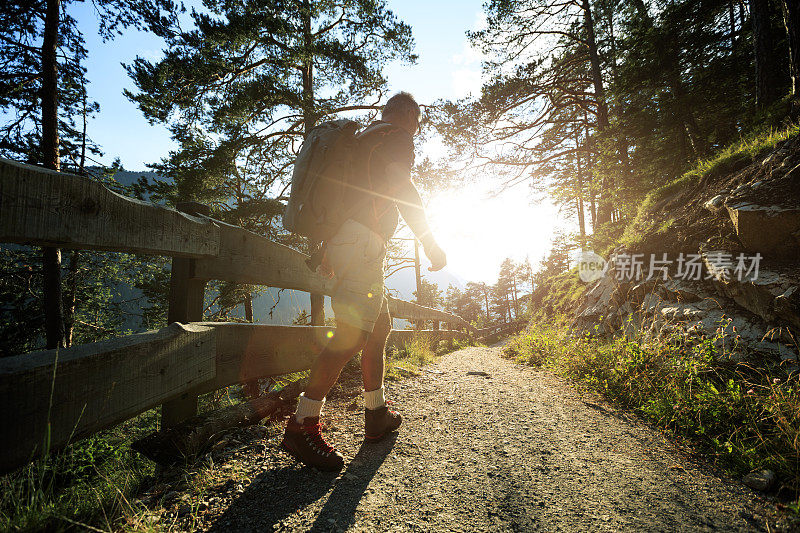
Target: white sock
[(307, 407), (374, 399)]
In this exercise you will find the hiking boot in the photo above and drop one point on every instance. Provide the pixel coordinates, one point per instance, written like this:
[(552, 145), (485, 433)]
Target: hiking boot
[(305, 443), (379, 422)]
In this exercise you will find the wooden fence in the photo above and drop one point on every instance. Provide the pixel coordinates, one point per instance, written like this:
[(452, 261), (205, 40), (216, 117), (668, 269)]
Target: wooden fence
[(54, 397)]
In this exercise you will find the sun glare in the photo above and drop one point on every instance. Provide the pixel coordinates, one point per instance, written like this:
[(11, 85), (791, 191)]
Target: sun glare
[(478, 231)]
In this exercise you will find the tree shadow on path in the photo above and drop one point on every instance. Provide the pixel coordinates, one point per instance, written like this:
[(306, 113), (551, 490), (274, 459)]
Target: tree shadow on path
[(277, 494)]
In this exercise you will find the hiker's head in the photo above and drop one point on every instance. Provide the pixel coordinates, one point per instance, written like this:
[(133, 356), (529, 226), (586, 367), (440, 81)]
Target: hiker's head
[(402, 110)]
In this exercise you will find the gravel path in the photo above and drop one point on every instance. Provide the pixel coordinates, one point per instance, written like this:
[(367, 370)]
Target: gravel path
[(518, 450)]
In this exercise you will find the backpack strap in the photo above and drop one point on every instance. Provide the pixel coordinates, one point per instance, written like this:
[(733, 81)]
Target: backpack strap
[(364, 137)]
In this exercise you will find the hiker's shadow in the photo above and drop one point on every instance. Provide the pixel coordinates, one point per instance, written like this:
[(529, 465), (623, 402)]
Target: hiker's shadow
[(277, 494), (340, 509)]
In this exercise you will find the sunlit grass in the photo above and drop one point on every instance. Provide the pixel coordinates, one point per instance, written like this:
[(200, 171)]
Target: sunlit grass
[(93, 484), (409, 358), (89, 484), (734, 156), (743, 417)]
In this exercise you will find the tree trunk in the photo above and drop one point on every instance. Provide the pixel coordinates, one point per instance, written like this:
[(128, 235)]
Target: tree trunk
[(604, 211), (764, 50), (417, 273), (418, 278), (486, 300), (514, 296), (791, 20), (248, 308), (579, 193), (309, 121), (597, 75), (589, 150), (51, 257)]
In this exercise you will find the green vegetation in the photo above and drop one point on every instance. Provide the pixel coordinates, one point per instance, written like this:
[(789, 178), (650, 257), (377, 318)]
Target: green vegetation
[(556, 294), (744, 417), (90, 482), (420, 351)]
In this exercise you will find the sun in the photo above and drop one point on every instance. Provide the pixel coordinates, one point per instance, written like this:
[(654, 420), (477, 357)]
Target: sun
[(478, 230)]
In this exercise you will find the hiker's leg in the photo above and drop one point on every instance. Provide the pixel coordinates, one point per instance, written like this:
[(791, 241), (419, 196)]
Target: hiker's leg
[(379, 420), (346, 342), (372, 360)]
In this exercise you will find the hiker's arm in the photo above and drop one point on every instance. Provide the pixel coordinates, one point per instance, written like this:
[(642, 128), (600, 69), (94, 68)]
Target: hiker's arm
[(410, 206)]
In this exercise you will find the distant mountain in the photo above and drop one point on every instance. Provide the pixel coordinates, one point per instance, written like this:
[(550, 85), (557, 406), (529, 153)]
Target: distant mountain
[(404, 282), (127, 177)]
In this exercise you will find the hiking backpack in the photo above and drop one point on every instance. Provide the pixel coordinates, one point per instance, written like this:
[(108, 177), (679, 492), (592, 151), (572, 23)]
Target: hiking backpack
[(318, 201)]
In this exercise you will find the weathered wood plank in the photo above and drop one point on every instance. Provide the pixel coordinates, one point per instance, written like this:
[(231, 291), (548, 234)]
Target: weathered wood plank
[(96, 386), (44, 207), (245, 257), (412, 311), (250, 351), (497, 331)]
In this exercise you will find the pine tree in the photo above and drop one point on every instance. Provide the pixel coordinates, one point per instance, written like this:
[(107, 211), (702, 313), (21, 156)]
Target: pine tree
[(429, 295)]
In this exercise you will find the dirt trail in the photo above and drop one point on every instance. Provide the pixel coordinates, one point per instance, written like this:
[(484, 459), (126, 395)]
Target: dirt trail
[(519, 450)]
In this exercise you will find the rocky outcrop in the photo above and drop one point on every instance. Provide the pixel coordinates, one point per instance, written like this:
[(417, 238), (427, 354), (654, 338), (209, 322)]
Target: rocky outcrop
[(770, 230), (741, 226), (747, 318), (764, 208), (772, 293)]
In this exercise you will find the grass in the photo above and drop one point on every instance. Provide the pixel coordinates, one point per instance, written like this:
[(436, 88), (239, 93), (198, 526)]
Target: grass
[(422, 350), (744, 418), (88, 485), (92, 484), (729, 159), (558, 294)]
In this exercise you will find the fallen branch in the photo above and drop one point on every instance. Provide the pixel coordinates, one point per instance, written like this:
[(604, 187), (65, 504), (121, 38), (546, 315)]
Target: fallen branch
[(190, 439)]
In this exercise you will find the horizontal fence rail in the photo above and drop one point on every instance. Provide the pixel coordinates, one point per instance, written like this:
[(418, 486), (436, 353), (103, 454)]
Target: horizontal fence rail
[(52, 398), (49, 208), (74, 392)]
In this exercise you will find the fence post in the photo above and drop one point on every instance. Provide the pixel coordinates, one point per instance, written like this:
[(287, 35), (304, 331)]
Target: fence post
[(186, 297), (317, 309)]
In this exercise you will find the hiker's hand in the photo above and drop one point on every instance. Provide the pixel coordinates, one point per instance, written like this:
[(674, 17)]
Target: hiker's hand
[(437, 257)]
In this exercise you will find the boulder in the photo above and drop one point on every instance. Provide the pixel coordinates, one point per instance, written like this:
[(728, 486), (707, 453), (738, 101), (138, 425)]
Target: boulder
[(762, 480), (772, 231)]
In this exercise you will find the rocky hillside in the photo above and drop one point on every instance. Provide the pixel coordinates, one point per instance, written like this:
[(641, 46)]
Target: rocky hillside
[(715, 254)]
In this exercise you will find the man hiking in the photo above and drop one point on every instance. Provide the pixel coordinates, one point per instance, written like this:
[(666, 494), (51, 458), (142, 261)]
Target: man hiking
[(355, 255)]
